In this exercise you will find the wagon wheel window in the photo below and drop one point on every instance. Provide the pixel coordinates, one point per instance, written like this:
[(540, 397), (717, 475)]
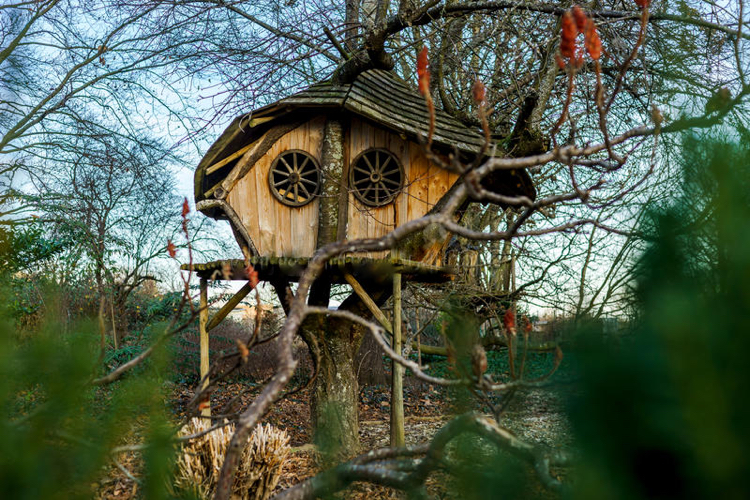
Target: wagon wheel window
[(294, 178), (376, 177)]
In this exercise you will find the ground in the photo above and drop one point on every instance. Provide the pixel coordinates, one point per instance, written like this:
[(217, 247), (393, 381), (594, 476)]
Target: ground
[(536, 416)]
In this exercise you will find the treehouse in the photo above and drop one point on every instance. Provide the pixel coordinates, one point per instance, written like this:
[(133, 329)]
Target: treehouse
[(332, 163), (336, 162)]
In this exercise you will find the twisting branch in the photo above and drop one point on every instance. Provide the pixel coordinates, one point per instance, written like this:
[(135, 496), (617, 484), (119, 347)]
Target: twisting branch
[(377, 466)]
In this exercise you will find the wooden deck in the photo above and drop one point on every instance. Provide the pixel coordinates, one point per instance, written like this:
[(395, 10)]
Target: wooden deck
[(291, 268)]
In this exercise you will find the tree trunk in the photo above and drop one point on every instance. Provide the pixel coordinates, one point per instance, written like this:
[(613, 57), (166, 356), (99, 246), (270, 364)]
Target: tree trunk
[(369, 364), (332, 166), (334, 342), (336, 395), (335, 398), (115, 341), (100, 316), (352, 25)]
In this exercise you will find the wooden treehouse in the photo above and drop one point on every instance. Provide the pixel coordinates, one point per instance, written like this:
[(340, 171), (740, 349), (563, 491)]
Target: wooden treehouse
[(333, 163)]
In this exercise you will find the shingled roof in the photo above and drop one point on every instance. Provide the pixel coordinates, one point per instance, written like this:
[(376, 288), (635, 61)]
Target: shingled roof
[(387, 100), (377, 95)]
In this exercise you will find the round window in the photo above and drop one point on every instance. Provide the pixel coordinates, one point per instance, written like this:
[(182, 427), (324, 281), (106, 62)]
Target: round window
[(376, 177), (294, 178)]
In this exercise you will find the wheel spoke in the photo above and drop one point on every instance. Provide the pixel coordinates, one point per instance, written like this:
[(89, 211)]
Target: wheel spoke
[(302, 165), (376, 177), (382, 165), (294, 178), (307, 193), (283, 160), (367, 160), (388, 193)]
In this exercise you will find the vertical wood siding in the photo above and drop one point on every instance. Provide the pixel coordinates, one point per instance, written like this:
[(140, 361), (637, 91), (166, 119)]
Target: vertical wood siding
[(424, 184), (279, 230)]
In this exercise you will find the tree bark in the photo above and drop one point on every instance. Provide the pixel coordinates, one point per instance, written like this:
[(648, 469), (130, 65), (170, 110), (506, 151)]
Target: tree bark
[(332, 165), (114, 325), (352, 23), (335, 398), (336, 395)]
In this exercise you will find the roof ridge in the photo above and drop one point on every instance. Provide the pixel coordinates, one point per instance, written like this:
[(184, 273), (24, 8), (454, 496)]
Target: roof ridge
[(348, 92)]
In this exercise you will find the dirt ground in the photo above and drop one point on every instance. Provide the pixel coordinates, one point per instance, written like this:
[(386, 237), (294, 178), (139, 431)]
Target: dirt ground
[(535, 416)]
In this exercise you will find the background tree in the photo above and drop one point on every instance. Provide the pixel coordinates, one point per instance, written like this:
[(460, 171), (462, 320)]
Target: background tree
[(116, 200)]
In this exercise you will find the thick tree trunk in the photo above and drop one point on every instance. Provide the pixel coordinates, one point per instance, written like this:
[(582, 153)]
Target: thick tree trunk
[(335, 398), (336, 394), (332, 166), (334, 342)]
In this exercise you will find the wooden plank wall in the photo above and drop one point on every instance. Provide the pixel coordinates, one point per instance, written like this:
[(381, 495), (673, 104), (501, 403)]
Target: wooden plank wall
[(424, 184), (277, 229)]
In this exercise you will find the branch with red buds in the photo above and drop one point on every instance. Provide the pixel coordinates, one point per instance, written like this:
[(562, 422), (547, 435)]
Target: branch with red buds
[(423, 74)]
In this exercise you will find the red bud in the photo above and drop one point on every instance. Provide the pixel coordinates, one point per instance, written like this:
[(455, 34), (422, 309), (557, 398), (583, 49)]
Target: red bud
[(171, 250), (509, 320), (252, 275), (568, 36), (592, 40), (580, 17), (478, 92), (422, 72)]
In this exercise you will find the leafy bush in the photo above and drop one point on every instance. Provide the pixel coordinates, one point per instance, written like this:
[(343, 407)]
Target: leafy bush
[(57, 429), (665, 415)]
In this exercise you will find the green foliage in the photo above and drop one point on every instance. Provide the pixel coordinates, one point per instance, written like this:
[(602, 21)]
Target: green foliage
[(482, 470), (57, 429), (665, 415), (24, 245), (160, 308), (537, 365)]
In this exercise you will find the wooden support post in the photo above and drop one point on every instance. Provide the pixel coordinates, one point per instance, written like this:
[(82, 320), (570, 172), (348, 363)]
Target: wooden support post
[(114, 326), (397, 388), (419, 336), (383, 320), (369, 303), (229, 306), (202, 322)]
